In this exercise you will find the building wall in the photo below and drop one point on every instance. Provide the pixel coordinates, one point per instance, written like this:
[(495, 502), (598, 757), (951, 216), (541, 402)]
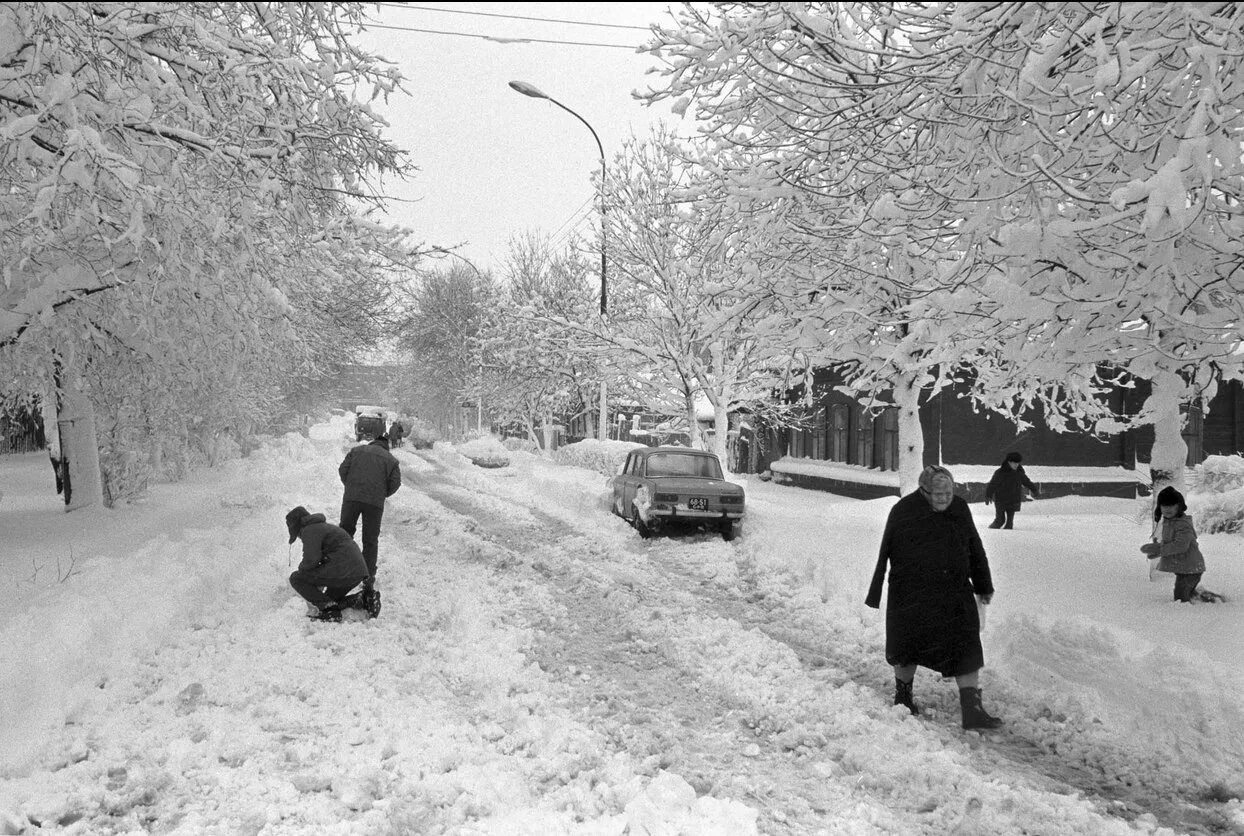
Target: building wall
[(1223, 426), (969, 437), (358, 384)]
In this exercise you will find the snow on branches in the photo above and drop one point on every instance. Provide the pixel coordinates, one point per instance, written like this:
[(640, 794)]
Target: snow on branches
[(1030, 182), (183, 189)]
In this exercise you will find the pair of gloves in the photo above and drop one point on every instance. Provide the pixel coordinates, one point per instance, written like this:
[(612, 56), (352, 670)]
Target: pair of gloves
[(1151, 549)]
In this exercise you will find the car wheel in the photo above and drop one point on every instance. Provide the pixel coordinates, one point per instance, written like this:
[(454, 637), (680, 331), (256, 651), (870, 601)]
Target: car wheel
[(645, 530), (729, 530)]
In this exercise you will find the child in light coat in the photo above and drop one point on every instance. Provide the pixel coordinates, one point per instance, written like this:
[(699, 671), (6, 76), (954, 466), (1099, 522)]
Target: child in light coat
[(1175, 544)]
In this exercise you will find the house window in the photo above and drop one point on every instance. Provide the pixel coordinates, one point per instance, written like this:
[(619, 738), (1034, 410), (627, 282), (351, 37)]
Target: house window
[(797, 441), (818, 434), (839, 432), (863, 438), (1194, 434), (887, 439)]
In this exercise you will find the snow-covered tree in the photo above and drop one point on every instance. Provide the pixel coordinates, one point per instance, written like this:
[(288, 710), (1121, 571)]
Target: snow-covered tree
[(1084, 159), (181, 186), (439, 335), (536, 369), (691, 313)]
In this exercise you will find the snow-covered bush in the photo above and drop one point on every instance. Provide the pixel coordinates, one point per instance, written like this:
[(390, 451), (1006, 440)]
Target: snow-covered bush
[(525, 445), (602, 456), (1220, 474), (1217, 495), (1219, 513), (420, 434)]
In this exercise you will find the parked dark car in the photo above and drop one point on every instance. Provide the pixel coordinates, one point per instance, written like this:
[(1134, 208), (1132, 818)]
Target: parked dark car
[(662, 486)]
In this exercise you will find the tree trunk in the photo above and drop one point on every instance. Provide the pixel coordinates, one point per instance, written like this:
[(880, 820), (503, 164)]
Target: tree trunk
[(550, 435), (84, 485), (589, 421), (910, 433), (721, 433), (721, 421), (1167, 462), (694, 438), (603, 425), (51, 434)]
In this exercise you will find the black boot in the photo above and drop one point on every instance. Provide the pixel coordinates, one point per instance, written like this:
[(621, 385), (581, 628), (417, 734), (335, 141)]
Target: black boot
[(902, 696), (328, 612), (371, 601), (974, 714)]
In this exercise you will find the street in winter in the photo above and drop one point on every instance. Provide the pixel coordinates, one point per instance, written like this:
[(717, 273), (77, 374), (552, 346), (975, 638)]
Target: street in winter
[(621, 419), (539, 668)]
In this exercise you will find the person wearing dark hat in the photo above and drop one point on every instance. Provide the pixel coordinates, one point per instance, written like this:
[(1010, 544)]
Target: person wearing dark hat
[(938, 573), (370, 475), (1174, 542), (331, 564), (1006, 490)]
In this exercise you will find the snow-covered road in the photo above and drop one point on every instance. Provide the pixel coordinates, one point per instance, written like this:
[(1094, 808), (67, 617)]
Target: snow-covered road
[(538, 668)]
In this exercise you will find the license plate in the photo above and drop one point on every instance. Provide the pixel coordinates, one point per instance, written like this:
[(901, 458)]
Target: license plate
[(698, 503)]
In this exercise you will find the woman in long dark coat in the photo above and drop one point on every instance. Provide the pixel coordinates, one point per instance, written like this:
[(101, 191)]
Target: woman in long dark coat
[(938, 568)]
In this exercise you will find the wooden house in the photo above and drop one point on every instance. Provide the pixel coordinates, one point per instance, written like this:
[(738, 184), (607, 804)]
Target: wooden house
[(843, 448)]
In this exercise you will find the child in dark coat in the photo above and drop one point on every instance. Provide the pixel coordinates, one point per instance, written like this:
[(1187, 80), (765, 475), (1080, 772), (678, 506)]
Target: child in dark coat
[(1006, 490)]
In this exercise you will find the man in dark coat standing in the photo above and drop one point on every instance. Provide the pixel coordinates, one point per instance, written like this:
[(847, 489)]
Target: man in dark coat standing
[(938, 569), (331, 564), (370, 475)]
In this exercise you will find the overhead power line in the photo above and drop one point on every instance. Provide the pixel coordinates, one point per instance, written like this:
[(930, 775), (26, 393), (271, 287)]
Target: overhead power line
[(500, 39), (514, 17), (585, 206)]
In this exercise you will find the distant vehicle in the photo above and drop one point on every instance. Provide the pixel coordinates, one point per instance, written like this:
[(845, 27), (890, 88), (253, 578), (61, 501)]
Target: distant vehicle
[(663, 486), (369, 422)]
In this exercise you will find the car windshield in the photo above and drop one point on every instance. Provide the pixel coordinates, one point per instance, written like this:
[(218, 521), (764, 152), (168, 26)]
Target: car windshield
[(678, 464)]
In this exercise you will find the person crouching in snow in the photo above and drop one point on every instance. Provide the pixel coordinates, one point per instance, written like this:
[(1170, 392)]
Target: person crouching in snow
[(1174, 541), (332, 563)]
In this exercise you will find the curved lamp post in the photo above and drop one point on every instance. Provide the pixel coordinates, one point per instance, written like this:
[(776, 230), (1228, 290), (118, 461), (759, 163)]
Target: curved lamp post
[(602, 430)]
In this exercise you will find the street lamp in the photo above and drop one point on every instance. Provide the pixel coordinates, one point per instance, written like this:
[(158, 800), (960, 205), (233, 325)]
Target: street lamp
[(602, 429)]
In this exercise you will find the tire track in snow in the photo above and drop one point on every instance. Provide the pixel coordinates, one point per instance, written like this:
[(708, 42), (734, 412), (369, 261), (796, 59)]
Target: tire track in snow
[(586, 589), (643, 702)]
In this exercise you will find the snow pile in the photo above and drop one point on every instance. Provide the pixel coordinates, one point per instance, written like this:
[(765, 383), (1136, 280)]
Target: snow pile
[(485, 451), (669, 806), (419, 433), (605, 457), (526, 445)]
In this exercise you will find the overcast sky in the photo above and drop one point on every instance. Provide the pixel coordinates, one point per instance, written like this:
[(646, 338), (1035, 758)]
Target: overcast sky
[(494, 163)]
